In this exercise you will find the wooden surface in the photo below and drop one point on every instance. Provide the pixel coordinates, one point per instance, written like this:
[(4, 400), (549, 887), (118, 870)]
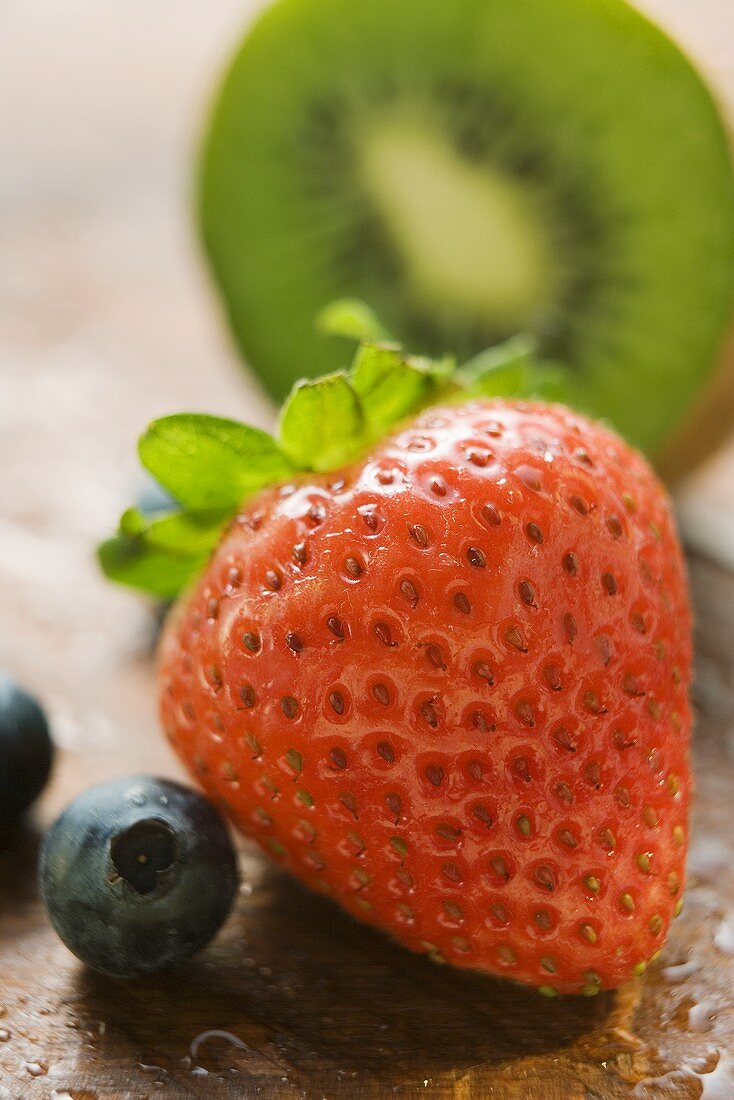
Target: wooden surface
[(106, 321)]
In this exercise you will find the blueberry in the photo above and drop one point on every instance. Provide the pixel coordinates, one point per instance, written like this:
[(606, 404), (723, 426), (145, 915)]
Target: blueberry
[(138, 874), (26, 751)]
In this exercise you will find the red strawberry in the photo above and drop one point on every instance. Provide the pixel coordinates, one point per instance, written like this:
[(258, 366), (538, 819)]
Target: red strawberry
[(448, 686)]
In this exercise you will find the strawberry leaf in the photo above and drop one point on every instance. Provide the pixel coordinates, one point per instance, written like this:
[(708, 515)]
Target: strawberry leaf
[(501, 371), (207, 462), (322, 424), (513, 369), (551, 383), (160, 573), (353, 319), (183, 533), (210, 466), (391, 384), (160, 554), (132, 523)]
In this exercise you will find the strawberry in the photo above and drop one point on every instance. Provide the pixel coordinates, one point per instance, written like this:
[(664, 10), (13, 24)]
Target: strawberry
[(447, 684)]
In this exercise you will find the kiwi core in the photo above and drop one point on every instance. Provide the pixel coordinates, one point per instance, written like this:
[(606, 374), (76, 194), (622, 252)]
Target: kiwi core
[(470, 235)]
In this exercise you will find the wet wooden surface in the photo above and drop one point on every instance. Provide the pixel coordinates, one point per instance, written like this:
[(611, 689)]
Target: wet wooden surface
[(105, 322)]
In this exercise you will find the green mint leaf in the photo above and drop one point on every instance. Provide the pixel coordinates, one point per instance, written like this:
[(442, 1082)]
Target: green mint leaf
[(391, 384), (353, 319), (207, 462), (158, 572), (322, 423)]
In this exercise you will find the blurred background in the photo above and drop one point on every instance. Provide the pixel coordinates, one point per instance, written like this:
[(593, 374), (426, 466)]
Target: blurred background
[(107, 315)]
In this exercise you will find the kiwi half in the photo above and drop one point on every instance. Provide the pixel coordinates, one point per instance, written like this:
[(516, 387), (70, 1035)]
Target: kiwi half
[(474, 169)]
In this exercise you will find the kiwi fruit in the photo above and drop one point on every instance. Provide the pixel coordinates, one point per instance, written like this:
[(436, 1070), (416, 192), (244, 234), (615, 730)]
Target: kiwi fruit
[(474, 169)]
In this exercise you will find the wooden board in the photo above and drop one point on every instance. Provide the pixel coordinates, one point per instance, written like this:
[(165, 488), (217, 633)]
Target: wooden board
[(105, 322)]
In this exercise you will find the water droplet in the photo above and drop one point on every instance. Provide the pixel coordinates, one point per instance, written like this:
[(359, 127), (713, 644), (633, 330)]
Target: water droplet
[(717, 1081), (681, 971), (666, 1082), (36, 1069), (700, 1016), (215, 1033), (724, 935)]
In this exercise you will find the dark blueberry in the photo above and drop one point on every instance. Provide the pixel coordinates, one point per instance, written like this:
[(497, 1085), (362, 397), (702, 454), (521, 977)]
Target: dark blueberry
[(138, 874), (26, 751)]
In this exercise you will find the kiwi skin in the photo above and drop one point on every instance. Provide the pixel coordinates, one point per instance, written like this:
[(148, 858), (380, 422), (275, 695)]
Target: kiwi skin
[(674, 443)]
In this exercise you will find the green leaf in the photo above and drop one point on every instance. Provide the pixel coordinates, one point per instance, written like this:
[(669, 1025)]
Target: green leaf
[(190, 533), (353, 319), (322, 423), (133, 562), (507, 370), (512, 369), (160, 554), (550, 382), (210, 465), (390, 384), (508, 358), (512, 380), (133, 523), (207, 462)]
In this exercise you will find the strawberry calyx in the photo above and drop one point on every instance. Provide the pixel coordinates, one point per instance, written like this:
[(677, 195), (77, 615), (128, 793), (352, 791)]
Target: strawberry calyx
[(211, 465)]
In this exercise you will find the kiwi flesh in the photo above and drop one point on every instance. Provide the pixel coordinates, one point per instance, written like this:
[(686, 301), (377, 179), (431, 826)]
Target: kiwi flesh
[(472, 170)]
